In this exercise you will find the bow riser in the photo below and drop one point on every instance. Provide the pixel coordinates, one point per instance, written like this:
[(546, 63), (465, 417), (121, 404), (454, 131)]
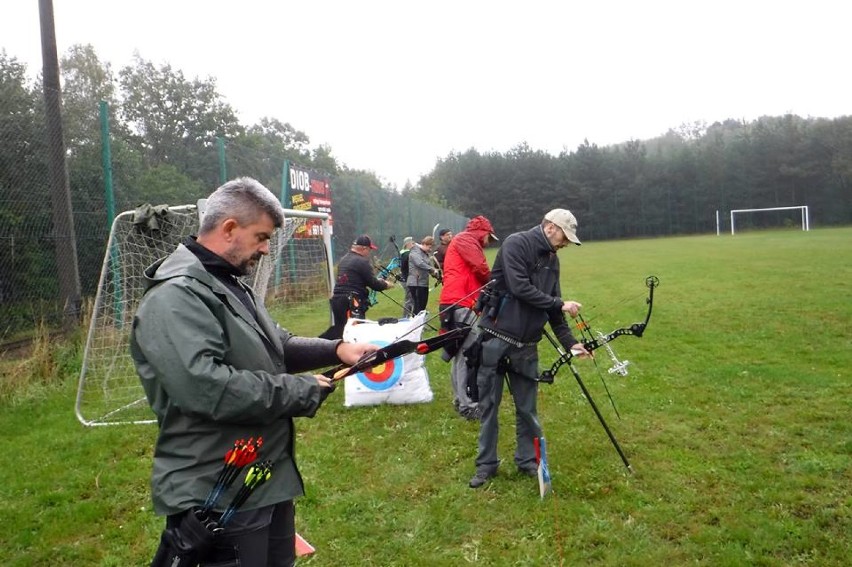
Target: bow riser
[(592, 344), (396, 350)]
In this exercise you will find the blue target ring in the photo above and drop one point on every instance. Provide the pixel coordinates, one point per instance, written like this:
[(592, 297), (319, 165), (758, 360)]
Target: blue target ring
[(384, 376)]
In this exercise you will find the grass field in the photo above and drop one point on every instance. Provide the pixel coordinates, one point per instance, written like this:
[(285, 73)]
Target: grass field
[(736, 416)]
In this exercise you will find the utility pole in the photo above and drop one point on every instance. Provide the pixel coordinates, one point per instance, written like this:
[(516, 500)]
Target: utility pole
[(65, 245)]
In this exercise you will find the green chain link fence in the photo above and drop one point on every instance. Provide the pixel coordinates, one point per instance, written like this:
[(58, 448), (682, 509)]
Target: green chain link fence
[(29, 274)]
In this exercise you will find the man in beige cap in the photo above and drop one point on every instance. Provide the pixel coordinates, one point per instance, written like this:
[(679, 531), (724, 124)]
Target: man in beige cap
[(525, 295), (564, 219)]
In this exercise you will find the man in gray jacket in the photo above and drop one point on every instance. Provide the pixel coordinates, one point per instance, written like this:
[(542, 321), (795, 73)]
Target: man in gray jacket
[(216, 369), (420, 267)]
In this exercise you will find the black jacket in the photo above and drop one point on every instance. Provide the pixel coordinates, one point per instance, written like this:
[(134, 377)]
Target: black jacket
[(355, 275), (403, 265), (526, 293)]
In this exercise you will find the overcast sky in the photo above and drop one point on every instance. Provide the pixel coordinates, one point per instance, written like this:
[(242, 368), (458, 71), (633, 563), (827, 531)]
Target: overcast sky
[(391, 86)]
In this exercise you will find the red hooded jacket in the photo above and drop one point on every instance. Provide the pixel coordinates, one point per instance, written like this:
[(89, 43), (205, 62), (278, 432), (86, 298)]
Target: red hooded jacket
[(465, 266)]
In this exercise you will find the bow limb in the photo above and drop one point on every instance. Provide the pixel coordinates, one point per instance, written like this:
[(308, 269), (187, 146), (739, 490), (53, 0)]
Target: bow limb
[(593, 343), (395, 350), (636, 329), (401, 347), (392, 240)]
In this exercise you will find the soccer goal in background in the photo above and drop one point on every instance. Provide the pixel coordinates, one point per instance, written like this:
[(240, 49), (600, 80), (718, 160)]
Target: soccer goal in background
[(297, 274), (804, 216)]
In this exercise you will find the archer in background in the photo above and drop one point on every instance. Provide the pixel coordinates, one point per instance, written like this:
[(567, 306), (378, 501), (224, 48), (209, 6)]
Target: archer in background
[(408, 304), (524, 297), (354, 276), (420, 267), (445, 236), (465, 270)]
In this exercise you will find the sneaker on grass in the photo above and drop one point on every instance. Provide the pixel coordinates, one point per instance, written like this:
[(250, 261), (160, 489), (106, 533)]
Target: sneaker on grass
[(480, 478)]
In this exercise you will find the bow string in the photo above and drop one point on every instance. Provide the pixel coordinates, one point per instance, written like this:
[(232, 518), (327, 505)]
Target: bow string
[(593, 342)]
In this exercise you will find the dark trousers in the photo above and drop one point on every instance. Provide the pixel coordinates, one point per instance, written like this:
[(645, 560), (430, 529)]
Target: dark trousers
[(342, 308), (420, 295), (265, 537), (339, 315)]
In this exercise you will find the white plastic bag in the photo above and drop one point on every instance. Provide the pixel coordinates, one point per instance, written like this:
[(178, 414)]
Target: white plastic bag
[(403, 380)]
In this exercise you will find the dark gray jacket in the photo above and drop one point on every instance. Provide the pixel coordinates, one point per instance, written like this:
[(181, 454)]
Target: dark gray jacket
[(526, 293), (214, 374)]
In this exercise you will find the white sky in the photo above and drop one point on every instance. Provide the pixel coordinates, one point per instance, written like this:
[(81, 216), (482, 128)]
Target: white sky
[(392, 85)]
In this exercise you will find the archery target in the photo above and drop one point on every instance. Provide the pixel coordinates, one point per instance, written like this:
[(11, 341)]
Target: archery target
[(385, 375), (402, 380)]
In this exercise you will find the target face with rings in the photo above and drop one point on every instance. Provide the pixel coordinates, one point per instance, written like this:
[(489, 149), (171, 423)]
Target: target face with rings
[(383, 376)]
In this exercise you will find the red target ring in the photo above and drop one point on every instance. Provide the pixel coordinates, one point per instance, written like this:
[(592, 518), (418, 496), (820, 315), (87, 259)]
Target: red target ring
[(383, 376)]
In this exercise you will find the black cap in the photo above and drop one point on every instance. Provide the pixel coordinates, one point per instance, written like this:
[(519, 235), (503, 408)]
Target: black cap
[(443, 231), (364, 240)]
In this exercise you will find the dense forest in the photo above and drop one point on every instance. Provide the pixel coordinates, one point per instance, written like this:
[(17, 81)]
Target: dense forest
[(673, 184), (174, 138)]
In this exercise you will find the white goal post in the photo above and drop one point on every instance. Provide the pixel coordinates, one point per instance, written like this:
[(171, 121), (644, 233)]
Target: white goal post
[(803, 208), (297, 274)]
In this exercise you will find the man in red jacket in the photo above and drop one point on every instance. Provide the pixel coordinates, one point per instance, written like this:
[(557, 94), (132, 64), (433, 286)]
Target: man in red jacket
[(465, 271)]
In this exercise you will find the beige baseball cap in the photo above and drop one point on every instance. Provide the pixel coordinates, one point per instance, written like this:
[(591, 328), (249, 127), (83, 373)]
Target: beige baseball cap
[(564, 219)]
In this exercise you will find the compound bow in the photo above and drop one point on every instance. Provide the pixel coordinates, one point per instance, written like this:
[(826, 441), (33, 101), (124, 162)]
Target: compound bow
[(391, 271), (602, 340), (593, 343)]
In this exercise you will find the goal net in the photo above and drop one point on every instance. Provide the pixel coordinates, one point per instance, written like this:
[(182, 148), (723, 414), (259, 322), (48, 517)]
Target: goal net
[(784, 219), (296, 276)]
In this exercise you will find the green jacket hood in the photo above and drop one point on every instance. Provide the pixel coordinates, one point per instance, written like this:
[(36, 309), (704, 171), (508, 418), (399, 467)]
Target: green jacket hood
[(180, 263)]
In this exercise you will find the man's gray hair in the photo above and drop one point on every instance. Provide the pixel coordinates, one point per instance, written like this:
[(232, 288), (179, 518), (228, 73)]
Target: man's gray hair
[(243, 199)]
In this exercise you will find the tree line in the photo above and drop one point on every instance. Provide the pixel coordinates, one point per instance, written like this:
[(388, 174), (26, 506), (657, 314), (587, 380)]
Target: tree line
[(673, 184)]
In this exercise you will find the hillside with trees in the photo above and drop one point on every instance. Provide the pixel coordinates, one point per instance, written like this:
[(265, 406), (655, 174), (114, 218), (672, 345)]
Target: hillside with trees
[(670, 185)]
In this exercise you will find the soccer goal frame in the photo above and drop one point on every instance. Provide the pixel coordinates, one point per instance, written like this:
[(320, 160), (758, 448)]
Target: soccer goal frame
[(297, 274), (804, 210)]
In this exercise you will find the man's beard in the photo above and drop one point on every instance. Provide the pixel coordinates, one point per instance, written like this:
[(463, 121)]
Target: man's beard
[(248, 266)]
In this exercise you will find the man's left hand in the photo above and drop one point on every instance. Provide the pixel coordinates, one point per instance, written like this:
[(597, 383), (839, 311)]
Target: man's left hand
[(580, 351), (350, 353)]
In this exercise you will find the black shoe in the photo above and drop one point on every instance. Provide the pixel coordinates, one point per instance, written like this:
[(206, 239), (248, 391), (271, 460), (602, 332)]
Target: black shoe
[(479, 479), (528, 472)]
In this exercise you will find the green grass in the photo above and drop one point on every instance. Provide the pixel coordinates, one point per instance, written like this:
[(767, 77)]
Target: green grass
[(735, 417)]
